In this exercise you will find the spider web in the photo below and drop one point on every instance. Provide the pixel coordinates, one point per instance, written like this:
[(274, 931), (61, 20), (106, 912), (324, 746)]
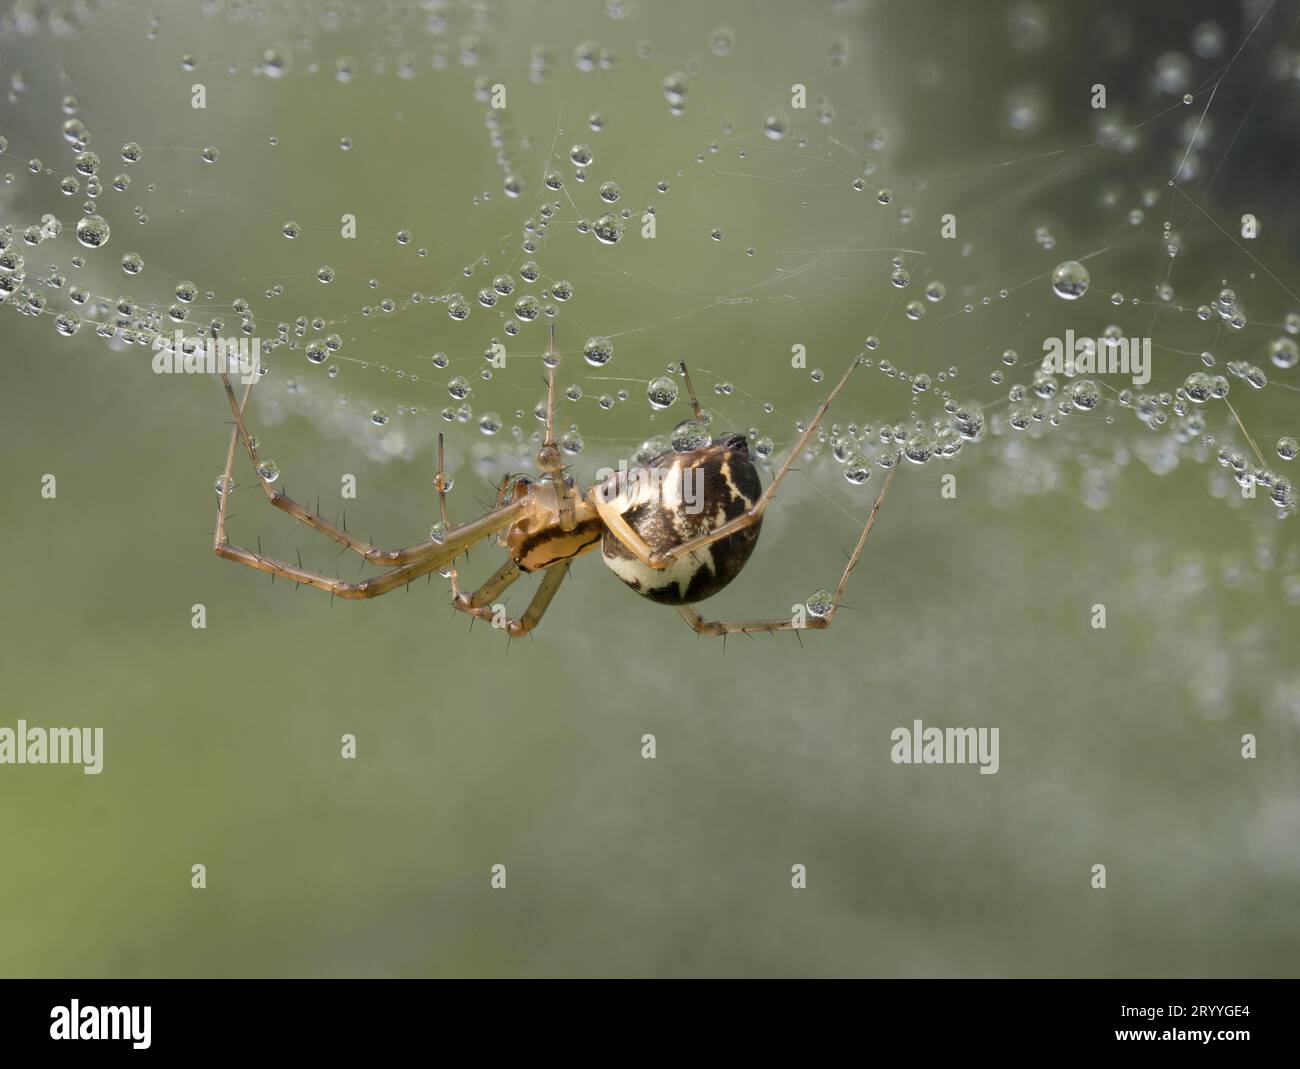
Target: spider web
[(787, 240)]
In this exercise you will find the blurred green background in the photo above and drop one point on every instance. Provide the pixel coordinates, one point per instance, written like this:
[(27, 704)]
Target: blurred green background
[(222, 746)]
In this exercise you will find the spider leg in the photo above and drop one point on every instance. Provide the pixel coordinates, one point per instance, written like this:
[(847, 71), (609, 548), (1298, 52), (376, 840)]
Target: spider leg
[(419, 560), (479, 604), (369, 588), (282, 501), (502, 488), (439, 556), (748, 627), (637, 546), (548, 457), (690, 390), (542, 597), (440, 483), (219, 535)]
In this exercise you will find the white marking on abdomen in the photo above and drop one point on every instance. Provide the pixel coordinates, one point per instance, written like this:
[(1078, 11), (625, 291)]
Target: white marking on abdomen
[(679, 573)]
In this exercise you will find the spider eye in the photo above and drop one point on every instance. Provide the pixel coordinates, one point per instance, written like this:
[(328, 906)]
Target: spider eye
[(735, 441)]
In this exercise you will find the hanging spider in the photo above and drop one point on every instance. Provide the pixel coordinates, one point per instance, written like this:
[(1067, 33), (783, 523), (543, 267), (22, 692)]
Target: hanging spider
[(667, 543)]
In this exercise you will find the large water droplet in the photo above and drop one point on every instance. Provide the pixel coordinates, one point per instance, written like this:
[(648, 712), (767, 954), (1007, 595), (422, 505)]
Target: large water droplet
[(93, 231), (1070, 280), (661, 392)]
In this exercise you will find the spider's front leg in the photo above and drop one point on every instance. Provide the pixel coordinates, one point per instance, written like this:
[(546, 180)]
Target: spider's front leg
[(384, 558), (479, 604), (412, 562), (549, 460)]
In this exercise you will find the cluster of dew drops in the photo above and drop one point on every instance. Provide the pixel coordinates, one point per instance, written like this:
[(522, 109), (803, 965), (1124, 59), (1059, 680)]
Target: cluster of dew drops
[(536, 300), (86, 176), (148, 325), (607, 226), (1180, 410), (1042, 400)]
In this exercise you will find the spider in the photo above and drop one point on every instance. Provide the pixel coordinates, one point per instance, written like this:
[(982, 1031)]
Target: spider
[(667, 544)]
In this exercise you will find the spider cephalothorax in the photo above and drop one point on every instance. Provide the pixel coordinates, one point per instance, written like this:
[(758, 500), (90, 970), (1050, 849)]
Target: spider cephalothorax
[(539, 539), (679, 496), (676, 530)]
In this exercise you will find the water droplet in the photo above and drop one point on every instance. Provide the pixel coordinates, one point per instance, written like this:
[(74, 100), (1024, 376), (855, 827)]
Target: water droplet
[(919, 448), (676, 87), (93, 231), (661, 392), (598, 351), (608, 229), (820, 603), (776, 126), (1199, 387), (1284, 352), (689, 435), (1085, 394), (857, 469), (1070, 280)]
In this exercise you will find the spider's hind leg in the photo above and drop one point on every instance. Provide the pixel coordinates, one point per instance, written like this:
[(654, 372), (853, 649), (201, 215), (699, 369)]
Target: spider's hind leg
[(702, 626), (660, 560)]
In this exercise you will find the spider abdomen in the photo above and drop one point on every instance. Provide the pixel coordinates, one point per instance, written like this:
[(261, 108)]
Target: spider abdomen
[(679, 496)]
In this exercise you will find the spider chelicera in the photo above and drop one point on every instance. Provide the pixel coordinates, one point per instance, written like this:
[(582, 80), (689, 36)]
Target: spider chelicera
[(668, 542)]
